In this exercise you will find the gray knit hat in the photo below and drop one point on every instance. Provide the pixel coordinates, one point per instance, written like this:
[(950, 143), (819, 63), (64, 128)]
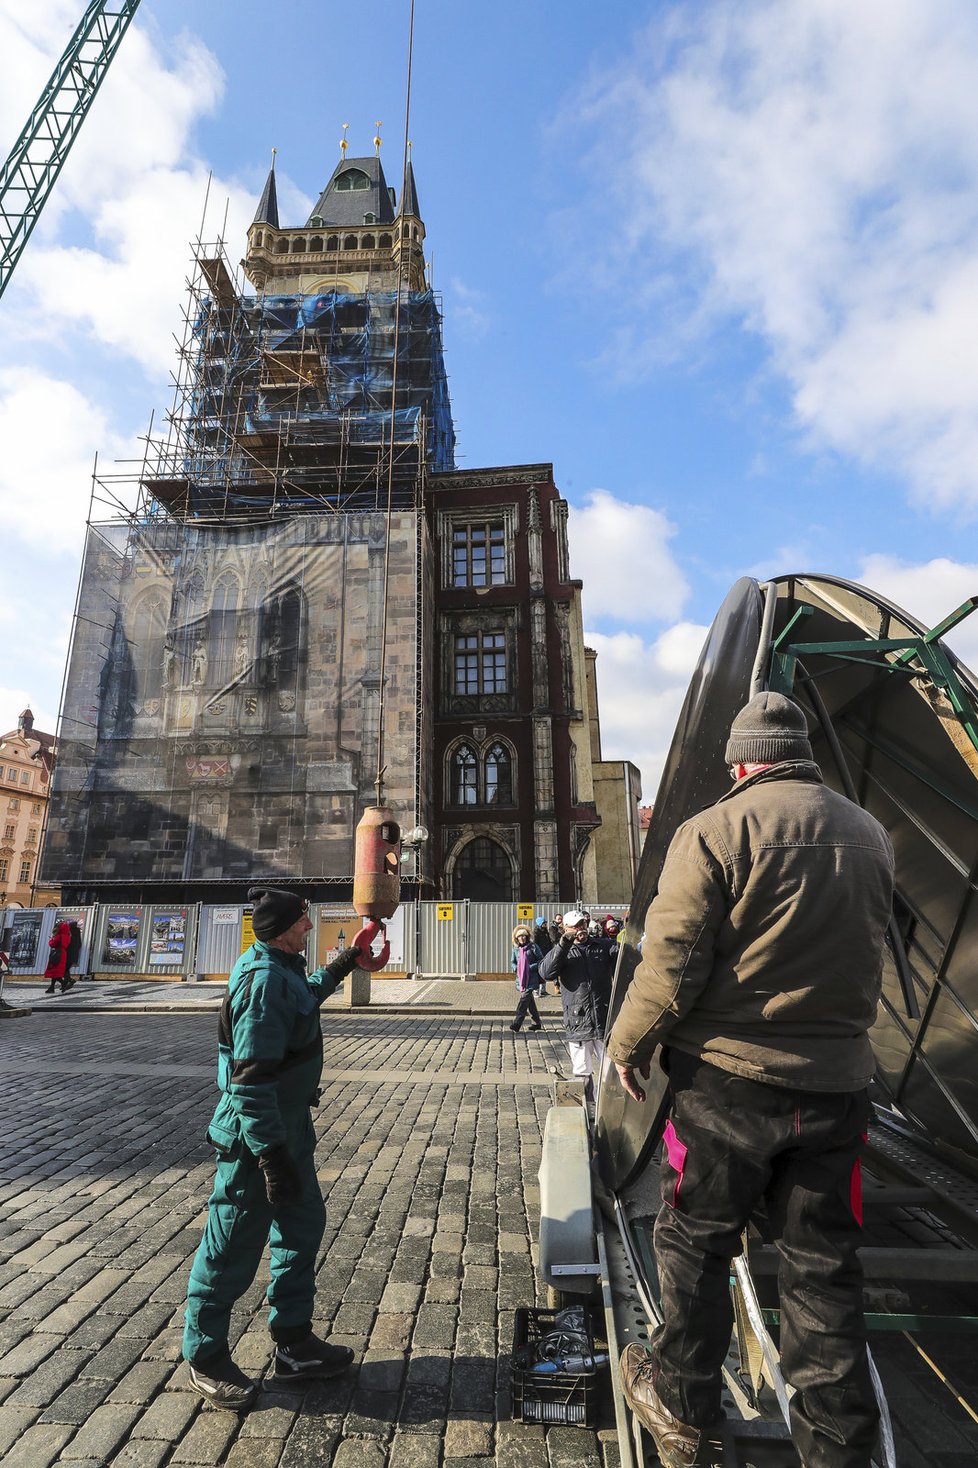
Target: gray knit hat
[(769, 729)]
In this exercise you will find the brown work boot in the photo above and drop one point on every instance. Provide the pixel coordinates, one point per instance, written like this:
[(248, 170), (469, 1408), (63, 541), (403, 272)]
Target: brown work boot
[(678, 1446)]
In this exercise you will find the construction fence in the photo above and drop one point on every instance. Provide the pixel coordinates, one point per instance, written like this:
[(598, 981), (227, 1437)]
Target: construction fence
[(194, 943)]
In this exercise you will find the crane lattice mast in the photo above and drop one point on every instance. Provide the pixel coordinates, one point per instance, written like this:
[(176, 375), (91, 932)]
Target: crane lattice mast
[(38, 154)]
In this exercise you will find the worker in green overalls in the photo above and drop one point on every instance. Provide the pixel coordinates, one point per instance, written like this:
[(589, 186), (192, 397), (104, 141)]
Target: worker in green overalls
[(270, 1063)]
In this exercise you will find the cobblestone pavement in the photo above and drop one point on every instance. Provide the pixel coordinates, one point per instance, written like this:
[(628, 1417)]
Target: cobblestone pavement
[(481, 997), (430, 1133)]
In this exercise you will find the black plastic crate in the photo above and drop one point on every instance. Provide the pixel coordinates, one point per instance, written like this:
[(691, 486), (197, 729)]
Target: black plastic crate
[(566, 1397)]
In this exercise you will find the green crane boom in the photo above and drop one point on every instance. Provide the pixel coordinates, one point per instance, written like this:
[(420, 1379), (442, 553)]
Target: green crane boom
[(35, 160)]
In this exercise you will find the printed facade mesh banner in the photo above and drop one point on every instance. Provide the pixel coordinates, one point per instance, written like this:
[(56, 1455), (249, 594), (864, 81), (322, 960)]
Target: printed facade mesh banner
[(222, 702)]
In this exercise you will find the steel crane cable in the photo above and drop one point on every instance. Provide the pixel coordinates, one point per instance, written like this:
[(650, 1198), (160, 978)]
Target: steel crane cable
[(402, 253)]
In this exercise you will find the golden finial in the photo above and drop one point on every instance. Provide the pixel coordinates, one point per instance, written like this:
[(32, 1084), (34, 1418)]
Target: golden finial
[(274, 151), (378, 139), (343, 143)]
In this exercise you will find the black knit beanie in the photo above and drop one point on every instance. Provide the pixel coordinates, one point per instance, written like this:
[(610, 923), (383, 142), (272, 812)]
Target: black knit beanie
[(275, 910), (769, 729)]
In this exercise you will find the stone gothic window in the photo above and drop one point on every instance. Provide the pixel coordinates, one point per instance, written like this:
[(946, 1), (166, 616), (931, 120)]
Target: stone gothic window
[(223, 620), (464, 778), (498, 775), (483, 872), (480, 663), (280, 634), (148, 634)]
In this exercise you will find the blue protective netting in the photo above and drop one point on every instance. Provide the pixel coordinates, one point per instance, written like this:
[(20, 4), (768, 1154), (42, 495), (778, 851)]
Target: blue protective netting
[(292, 399)]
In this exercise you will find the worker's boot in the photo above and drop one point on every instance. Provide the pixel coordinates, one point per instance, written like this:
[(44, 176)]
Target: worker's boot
[(677, 1444), (219, 1381), (310, 1360)]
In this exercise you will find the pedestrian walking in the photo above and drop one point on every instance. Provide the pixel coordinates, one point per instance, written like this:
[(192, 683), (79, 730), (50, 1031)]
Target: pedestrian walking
[(526, 961), (270, 1063), (58, 967), (584, 968), (760, 976), (541, 937)]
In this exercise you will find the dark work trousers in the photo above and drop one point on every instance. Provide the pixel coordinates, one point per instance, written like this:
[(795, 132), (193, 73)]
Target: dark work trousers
[(240, 1221), (732, 1145), (527, 1005)]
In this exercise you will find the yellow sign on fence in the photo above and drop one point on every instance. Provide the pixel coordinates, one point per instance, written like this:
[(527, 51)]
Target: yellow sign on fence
[(524, 912), (446, 912)]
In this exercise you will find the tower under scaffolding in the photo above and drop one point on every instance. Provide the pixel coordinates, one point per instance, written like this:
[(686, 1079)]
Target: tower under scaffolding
[(224, 691)]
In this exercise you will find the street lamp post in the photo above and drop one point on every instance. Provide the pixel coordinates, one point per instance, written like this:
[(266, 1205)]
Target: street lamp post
[(412, 842)]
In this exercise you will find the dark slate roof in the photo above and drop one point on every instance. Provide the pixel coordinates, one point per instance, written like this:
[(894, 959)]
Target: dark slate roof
[(347, 207), (409, 199), (268, 205)]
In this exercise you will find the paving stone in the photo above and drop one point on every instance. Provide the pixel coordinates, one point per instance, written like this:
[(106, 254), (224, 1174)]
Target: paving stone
[(14, 1422), (144, 1454), (102, 1433), (39, 1446), (400, 1298), (353, 1320), (28, 1354), (415, 1450), (76, 1403), (142, 1383), (381, 1371), (50, 1378), (311, 1443), (468, 1437), (354, 1453), (207, 1439), (114, 1359), (435, 1326), (567, 1450), (256, 1452), (391, 1332), (168, 1417), (272, 1416), (371, 1414)]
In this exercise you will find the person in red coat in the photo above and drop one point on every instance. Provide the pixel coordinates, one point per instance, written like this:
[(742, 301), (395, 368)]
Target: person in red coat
[(56, 970)]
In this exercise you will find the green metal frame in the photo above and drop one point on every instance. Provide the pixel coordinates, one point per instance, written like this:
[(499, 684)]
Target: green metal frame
[(36, 158), (926, 647)]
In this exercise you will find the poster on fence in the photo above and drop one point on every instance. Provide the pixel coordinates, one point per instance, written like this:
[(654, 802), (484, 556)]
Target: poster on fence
[(169, 937), (24, 938), (121, 938), (339, 925)]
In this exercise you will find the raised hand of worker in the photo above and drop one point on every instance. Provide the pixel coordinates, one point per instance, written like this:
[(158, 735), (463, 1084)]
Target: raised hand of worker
[(283, 1181), (626, 1074)]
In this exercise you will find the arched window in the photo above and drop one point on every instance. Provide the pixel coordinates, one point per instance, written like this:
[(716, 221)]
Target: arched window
[(498, 775), (370, 218), (224, 615), (298, 246), (385, 242), (316, 245), (367, 243), (332, 243), (350, 242), (483, 872), (259, 239), (281, 247), (316, 222), (148, 632), (463, 779), (353, 178), (280, 643)]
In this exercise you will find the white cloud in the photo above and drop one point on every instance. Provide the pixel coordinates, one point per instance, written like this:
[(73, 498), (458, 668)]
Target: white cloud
[(929, 592), (131, 184), (809, 168), (621, 551), (641, 687), (50, 433), (468, 310)]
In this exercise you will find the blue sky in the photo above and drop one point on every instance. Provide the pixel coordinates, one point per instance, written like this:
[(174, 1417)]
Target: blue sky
[(719, 264)]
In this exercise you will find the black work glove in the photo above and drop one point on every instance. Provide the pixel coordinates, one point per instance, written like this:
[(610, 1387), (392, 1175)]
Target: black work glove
[(283, 1181)]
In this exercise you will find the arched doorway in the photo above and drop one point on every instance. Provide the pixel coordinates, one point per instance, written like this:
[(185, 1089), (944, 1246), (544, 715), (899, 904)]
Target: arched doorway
[(483, 872)]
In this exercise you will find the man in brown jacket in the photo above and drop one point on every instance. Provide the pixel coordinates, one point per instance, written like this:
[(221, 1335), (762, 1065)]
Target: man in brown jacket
[(760, 977)]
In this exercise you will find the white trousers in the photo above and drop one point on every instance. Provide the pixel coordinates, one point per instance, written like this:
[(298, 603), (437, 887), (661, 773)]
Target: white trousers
[(586, 1056)]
